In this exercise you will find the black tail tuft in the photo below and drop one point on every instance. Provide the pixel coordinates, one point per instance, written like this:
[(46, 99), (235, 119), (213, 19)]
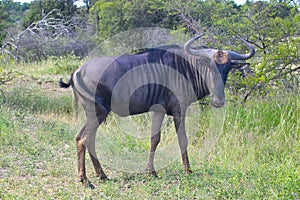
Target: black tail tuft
[(65, 85)]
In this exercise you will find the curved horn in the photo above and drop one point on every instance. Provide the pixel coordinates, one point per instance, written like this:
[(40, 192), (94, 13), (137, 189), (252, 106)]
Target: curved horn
[(237, 56), (188, 44)]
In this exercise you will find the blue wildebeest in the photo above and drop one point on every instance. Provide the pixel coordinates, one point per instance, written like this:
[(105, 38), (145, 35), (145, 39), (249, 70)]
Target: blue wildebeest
[(164, 80)]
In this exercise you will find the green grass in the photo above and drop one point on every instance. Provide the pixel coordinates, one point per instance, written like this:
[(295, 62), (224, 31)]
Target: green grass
[(37, 101), (256, 156)]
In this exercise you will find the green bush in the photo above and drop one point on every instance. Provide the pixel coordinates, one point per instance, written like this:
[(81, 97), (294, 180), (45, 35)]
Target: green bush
[(64, 64)]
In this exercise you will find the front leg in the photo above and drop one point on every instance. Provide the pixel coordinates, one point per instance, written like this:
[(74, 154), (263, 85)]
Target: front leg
[(179, 121), (157, 119)]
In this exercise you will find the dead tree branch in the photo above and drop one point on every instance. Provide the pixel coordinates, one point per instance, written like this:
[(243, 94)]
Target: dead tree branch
[(50, 36)]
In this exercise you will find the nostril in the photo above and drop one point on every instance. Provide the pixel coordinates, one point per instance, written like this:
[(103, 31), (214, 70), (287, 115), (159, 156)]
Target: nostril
[(217, 102)]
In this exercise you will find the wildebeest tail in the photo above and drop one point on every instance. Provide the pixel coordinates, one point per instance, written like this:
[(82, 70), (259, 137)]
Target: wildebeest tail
[(66, 85)]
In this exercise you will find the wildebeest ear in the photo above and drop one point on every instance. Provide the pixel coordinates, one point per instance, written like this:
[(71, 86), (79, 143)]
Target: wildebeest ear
[(240, 66), (221, 57)]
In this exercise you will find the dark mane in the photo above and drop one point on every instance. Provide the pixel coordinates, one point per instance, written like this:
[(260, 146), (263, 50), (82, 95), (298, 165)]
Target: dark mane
[(155, 53), (155, 49), (199, 47)]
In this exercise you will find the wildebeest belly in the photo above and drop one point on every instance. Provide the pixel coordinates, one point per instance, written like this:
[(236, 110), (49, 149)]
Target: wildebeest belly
[(149, 97)]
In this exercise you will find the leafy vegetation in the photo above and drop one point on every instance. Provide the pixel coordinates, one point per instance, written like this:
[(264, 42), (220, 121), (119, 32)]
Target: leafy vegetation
[(39, 8), (10, 12)]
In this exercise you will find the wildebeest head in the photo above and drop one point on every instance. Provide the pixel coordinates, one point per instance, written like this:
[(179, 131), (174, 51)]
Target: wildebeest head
[(225, 60)]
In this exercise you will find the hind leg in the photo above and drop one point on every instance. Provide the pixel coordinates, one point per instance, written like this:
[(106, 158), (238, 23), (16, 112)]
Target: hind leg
[(81, 149), (92, 151), (86, 140)]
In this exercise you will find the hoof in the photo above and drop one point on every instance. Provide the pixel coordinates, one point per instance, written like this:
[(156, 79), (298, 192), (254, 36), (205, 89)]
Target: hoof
[(91, 186), (104, 178), (188, 171), (152, 173), (86, 183)]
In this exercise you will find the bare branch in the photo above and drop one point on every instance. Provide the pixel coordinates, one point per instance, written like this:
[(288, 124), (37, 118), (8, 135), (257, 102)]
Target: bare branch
[(184, 13), (50, 36), (280, 74)]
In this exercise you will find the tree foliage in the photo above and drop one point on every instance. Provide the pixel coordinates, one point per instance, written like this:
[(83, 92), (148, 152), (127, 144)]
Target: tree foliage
[(10, 13), (3, 22), (40, 8), (14, 10), (114, 16)]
